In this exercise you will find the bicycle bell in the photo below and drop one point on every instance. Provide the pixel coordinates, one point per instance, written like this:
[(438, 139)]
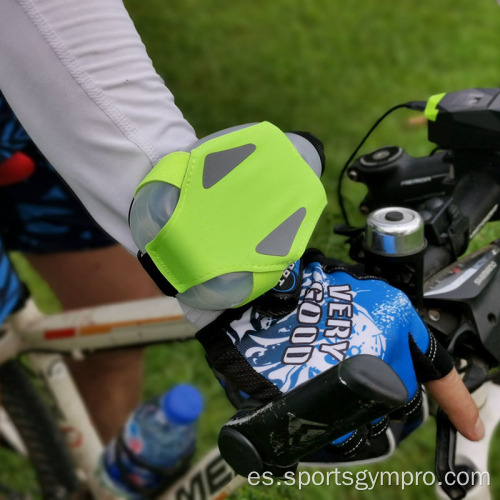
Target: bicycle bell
[(394, 247)]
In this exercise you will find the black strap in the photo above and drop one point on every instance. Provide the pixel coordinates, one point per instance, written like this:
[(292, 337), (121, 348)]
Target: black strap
[(161, 282), (229, 365)]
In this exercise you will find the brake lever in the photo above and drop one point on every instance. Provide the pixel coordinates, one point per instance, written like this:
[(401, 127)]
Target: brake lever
[(446, 443), (276, 436), (450, 456)]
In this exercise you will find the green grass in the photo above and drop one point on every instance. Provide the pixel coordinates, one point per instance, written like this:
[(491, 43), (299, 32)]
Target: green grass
[(330, 67)]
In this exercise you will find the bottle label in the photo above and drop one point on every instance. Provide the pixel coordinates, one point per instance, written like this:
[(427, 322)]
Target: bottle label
[(133, 437)]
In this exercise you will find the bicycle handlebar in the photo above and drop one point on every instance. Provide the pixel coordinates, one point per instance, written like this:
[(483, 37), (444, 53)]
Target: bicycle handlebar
[(456, 193), (477, 195), (342, 399), (451, 223)]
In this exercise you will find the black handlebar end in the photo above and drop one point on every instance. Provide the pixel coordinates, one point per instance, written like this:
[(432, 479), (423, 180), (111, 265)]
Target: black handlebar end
[(346, 397)]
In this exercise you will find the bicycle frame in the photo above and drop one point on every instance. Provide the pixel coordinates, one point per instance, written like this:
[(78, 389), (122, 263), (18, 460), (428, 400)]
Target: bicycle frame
[(116, 325), (45, 339)]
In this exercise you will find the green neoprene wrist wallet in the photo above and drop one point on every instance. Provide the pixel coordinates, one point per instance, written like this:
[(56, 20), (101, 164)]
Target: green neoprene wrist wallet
[(248, 202)]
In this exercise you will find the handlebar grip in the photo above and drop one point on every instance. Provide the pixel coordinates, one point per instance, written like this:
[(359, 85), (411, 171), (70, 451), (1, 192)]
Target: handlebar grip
[(435, 259), (345, 397)]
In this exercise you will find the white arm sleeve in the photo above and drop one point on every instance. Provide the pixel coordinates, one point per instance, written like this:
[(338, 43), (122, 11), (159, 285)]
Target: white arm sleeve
[(78, 77)]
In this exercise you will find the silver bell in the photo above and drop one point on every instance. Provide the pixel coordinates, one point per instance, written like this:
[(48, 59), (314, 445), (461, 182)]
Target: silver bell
[(394, 231)]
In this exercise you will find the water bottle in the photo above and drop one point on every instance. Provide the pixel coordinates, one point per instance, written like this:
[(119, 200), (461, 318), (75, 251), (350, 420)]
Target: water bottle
[(155, 203), (155, 445)]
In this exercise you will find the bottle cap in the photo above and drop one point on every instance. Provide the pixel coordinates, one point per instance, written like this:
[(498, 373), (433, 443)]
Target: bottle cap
[(182, 404)]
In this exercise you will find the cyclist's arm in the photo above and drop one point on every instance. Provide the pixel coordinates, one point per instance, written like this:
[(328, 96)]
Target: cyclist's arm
[(78, 77)]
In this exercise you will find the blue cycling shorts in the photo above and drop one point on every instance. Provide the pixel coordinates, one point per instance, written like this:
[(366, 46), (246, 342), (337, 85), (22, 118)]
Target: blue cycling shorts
[(40, 214)]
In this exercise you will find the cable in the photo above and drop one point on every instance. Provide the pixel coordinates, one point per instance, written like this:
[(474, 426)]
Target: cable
[(416, 105)]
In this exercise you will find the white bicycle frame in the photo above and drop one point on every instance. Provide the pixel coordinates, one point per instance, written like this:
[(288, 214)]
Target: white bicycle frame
[(46, 338)]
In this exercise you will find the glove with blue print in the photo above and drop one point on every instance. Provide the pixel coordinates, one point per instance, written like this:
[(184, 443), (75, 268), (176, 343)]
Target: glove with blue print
[(258, 355)]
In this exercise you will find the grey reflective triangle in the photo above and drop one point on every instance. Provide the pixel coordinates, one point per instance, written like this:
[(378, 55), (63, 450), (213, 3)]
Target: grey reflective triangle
[(219, 164), (280, 240)]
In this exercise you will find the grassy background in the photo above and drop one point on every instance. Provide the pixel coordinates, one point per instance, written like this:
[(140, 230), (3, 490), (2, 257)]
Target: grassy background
[(332, 68)]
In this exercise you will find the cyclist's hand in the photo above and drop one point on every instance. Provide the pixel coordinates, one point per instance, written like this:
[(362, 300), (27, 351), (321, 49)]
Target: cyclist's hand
[(257, 356)]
